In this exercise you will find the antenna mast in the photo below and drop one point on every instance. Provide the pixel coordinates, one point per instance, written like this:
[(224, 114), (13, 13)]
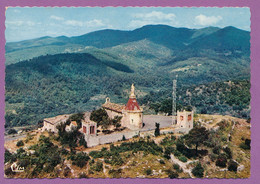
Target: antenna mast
[(174, 115)]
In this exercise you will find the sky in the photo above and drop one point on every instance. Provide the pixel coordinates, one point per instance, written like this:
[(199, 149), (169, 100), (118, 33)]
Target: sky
[(28, 23)]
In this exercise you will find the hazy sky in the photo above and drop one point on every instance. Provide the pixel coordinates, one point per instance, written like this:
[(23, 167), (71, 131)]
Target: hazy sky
[(27, 23)]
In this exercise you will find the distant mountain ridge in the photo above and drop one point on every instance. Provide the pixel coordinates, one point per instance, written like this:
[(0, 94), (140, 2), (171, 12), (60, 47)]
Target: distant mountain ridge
[(50, 76), (173, 38)]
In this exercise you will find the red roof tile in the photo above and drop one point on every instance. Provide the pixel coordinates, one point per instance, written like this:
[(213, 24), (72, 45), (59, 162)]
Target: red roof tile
[(74, 123), (132, 105)]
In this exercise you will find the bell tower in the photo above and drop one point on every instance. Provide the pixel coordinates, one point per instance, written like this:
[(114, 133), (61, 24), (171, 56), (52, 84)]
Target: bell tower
[(133, 112)]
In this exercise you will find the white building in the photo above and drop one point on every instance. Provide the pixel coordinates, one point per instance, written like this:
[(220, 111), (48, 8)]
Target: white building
[(131, 113), (184, 121), (72, 126), (50, 124)]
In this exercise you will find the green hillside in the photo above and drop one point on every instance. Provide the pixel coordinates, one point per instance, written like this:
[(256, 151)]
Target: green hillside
[(68, 83), (50, 76)]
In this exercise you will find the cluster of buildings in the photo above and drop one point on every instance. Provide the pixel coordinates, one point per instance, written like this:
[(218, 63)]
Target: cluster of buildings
[(132, 120)]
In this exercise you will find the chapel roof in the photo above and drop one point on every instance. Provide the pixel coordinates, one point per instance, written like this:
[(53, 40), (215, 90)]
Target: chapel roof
[(57, 119), (113, 106), (132, 105)]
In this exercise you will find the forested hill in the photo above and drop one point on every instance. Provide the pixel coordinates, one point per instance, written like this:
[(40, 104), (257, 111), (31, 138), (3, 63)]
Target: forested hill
[(50, 76), (68, 83)]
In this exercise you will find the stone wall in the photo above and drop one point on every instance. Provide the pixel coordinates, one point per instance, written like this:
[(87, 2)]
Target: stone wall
[(110, 138), (112, 114), (49, 127)]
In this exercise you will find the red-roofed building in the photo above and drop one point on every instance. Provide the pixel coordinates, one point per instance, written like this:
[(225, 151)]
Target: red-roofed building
[(131, 113)]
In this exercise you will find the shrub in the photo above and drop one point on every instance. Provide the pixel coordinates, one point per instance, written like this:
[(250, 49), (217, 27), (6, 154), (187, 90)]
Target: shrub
[(82, 141), (176, 166), (115, 173), (216, 150), (96, 154), (80, 159), (173, 138), (232, 166), (54, 159), (213, 157), (19, 143), (148, 171), (221, 161), (9, 172), (66, 172), (198, 171), (12, 131), (64, 151), (162, 162), (172, 174), (177, 153), (246, 145), (83, 175), (228, 152), (168, 151), (28, 138), (24, 162), (97, 167), (248, 142), (9, 157), (117, 160), (20, 151), (183, 158)]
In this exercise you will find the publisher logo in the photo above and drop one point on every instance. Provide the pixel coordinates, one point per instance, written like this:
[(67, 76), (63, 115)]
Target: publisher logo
[(17, 168)]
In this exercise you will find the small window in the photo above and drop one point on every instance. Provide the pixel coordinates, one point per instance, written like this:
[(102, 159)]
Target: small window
[(181, 118), (84, 129), (92, 129), (189, 117)]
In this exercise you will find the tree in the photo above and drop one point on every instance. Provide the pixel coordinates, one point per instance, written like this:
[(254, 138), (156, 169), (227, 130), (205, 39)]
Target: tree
[(123, 139), (12, 131), (157, 129), (19, 143), (198, 135), (232, 166), (228, 152), (221, 160), (198, 171), (148, 171), (172, 174), (9, 157), (80, 159), (98, 115), (77, 117)]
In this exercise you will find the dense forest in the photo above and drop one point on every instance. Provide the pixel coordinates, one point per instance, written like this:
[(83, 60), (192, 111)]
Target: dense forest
[(81, 78), (228, 98)]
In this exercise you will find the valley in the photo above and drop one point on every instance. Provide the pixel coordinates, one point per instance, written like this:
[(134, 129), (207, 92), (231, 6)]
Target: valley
[(49, 76)]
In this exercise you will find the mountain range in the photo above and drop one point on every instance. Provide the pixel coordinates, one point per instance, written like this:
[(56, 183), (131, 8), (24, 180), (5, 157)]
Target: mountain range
[(53, 75), (175, 39)]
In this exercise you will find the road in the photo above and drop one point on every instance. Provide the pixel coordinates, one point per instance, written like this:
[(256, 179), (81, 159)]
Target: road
[(14, 137)]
